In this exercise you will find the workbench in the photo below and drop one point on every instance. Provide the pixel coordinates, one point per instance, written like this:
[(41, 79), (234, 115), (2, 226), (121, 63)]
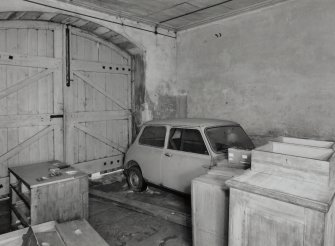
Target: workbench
[(39, 196)]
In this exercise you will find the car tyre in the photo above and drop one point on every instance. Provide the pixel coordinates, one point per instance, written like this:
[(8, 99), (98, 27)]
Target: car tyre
[(135, 179)]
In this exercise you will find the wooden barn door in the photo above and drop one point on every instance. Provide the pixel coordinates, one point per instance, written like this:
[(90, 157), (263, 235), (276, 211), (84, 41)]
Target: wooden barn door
[(31, 100), (97, 103)]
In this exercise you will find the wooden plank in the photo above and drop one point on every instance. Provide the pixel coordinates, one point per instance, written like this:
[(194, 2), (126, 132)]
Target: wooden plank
[(305, 141), (91, 83), (28, 120), (50, 238), (99, 165), (98, 116), (100, 67), (210, 204), (301, 193), (91, 53), (16, 24), (19, 85), (29, 239), (59, 201), (100, 138), (15, 59), (296, 161), (24, 144), (143, 207), (112, 46), (14, 238), (314, 228), (297, 150), (330, 227), (13, 75), (79, 232), (258, 220), (100, 105)]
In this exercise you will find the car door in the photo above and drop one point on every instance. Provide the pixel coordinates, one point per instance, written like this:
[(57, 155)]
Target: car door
[(148, 152), (183, 158)]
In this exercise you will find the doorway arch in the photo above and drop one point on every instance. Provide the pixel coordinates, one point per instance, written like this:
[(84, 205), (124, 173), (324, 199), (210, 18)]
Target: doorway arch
[(93, 30)]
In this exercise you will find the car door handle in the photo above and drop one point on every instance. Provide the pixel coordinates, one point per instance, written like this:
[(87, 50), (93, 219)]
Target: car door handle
[(168, 154)]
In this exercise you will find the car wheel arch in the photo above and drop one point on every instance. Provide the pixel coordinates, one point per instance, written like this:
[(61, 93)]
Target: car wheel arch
[(130, 164)]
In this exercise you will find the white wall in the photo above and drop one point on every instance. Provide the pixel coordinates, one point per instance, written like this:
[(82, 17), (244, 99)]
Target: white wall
[(272, 70)]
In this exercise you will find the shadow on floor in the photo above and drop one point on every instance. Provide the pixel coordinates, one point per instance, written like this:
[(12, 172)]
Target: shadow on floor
[(119, 225)]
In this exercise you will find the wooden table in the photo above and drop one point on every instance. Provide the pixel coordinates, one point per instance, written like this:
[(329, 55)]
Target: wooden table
[(37, 197)]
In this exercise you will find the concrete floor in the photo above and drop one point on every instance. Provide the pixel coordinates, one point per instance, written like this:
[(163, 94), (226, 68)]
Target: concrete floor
[(121, 226)]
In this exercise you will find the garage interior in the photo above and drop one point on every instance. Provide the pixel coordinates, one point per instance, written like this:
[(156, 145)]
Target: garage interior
[(78, 79)]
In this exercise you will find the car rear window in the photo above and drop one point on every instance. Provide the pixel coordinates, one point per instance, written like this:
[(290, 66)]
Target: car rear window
[(188, 140), (153, 136)]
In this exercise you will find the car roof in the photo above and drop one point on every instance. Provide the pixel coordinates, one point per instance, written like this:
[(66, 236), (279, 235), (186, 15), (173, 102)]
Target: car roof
[(193, 122)]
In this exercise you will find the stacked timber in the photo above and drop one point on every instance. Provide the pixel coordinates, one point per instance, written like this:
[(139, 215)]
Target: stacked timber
[(287, 196), (210, 206)]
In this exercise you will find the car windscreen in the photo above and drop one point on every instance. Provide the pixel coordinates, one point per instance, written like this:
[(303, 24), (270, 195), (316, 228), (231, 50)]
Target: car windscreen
[(223, 137)]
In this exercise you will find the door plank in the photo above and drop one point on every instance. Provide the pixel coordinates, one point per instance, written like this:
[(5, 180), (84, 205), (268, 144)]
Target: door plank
[(98, 116), (19, 60), (83, 34), (14, 88), (100, 138), (100, 67), (12, 121), (90, 82), (24, 144)]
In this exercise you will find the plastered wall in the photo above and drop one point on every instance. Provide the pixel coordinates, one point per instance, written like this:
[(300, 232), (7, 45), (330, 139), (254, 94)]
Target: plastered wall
[(272, 70)]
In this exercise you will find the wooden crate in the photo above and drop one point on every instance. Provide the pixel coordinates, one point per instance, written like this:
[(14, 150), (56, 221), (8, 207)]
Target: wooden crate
[(73, 233), (210, 202), (272, 210), (312, 164), (305, 141), (61, 198)]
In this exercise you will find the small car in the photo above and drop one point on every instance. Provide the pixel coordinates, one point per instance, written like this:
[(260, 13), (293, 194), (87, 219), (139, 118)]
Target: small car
[(170, 153)]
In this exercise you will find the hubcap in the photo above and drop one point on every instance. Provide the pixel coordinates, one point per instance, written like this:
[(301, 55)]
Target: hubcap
[(134, 179)]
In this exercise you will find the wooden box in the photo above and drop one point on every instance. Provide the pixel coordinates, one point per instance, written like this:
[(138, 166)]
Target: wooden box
[(61, 198), (274, 210), (312, 164), (210, 202), (239, 157), (305, 141), (72, 233)]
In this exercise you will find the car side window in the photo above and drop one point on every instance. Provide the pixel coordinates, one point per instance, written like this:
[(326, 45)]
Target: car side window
[(188, 140), (153, 136)]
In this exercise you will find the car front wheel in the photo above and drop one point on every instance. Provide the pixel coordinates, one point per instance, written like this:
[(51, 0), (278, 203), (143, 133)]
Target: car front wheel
[(135, 179)]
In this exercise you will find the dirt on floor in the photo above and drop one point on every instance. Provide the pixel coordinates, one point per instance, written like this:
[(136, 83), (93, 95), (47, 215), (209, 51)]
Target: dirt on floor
[(121, 225)]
